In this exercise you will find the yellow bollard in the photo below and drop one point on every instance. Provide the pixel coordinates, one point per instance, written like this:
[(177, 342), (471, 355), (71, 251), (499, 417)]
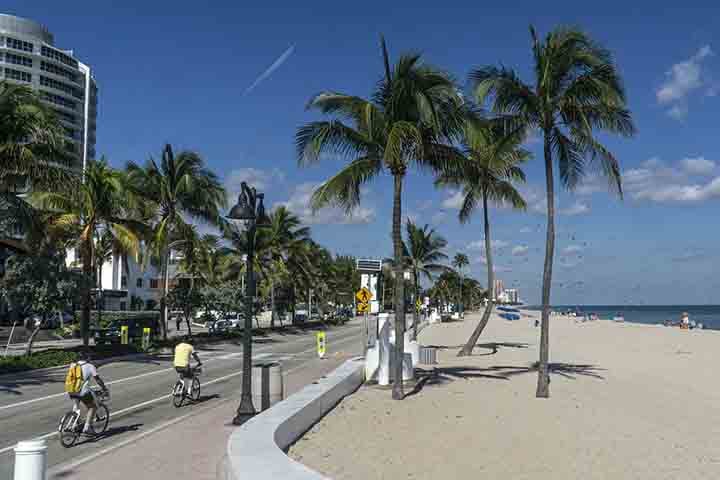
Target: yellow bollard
[(321, 344)]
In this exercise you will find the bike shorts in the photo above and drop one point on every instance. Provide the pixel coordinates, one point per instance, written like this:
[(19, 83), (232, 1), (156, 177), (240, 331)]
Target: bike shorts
[(186, 372), (88, 400)]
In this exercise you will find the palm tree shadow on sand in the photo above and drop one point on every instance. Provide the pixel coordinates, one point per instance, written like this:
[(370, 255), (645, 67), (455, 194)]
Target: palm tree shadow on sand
[(444, 375)]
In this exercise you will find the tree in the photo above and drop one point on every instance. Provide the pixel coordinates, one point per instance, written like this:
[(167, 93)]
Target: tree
[(176, 189), (187, 298), (423, 250), (460, 261), (487, 176), (577, 91), (414, 109), (41, 284), (100, 205)]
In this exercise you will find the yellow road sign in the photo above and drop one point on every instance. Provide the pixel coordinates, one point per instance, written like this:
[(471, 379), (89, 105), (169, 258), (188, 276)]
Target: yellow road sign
[(321, 344), (363, 295), (363, 307), (418, 304)]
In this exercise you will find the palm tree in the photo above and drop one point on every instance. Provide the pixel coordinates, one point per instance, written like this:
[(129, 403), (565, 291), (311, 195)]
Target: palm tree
[(460, 261), (423, 250), (577, 90), (176, 190), (412, 111), (98, 205), (486, 176), (32, 145)]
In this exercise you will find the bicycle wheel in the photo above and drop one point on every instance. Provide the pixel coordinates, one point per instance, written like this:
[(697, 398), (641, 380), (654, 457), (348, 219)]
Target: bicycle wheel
[(178, 394), (195, 390), (102, 418), (68, 431)]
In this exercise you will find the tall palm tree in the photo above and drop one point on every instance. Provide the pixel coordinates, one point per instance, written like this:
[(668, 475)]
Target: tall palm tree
[(178, 189), (98, 204), (577, 90), (487, 175), (460, 261), (412, 111), (423, 252)]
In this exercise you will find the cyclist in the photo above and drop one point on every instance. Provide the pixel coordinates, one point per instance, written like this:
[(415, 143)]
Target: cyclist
[(183, 351), (86, 396)]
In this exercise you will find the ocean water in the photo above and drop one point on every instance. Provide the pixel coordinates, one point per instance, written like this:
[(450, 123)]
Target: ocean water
[(708, 315)]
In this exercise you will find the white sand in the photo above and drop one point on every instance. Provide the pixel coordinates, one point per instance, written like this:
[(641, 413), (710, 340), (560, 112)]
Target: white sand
[(653, 414)]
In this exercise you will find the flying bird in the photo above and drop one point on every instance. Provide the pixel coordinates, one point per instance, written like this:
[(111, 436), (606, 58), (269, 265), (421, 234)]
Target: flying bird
[(268, 71)]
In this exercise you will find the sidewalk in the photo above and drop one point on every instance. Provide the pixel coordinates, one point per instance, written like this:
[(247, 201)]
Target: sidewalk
[(190, 446)]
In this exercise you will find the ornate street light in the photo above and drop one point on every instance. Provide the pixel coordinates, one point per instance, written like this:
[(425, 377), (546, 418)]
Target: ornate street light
[(251, 211)]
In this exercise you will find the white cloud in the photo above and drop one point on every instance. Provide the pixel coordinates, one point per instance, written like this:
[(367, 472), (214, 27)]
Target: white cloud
[(578, 208), (697, 166), (255, 177), (682, 79), (480, 244), (520, 250), (454, 201), (572, 250), (525, 230), (438, 218), (496, 268), (299, 204)]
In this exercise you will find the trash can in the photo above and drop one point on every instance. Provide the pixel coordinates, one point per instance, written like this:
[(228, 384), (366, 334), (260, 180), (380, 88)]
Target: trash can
[(267, 385)]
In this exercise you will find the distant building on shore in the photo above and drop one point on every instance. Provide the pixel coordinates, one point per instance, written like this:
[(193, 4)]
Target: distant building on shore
[(28, 56), (498, 289)]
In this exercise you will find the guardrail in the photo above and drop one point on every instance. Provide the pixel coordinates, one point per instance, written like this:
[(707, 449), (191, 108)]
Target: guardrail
[(257, 449)]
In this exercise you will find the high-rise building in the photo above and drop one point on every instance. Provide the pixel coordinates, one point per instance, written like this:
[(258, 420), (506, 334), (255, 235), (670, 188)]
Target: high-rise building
[(28, 56), (498, 288)]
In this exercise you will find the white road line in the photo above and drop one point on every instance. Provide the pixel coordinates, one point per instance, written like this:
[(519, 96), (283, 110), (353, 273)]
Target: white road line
[(164, 397)]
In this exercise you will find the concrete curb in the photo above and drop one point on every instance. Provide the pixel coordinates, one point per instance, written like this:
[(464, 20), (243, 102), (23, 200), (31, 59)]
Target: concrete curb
[(257, 449)]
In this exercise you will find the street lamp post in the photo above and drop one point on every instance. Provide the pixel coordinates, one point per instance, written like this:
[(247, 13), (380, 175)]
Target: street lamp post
[(249, 209)]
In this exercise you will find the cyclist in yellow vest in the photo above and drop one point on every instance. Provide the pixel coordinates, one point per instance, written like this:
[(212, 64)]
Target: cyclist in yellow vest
[(183, 352)]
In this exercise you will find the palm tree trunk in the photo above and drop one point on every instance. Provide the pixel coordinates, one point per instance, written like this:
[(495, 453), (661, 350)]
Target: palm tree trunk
[(397, 391), (87, 287), (543, 383), (470, 345), (272, 303), (415, 309), (165, 289)]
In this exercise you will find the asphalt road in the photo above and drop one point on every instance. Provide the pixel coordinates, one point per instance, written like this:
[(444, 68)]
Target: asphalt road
[(32, 404)]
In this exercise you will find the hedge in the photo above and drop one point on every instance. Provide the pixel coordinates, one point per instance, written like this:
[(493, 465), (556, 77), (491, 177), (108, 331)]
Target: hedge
[(59, 357)]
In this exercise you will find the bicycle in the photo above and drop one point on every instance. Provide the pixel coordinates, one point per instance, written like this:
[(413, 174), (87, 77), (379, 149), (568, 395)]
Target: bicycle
[(180, 393), (71, 425)]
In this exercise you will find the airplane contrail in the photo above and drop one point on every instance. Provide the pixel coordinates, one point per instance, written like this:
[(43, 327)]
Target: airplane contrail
[(274, 66)]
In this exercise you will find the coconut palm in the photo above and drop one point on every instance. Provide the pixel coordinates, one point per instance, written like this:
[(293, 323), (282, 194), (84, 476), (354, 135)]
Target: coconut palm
[(423, 251), (176, 190), (487, 176), (413, 109), (460, 261), (99, 205), (32, 145), (577, 91)]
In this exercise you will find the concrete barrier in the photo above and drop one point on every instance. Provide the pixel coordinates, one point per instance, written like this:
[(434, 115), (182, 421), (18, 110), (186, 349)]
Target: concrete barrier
[(256, 449)]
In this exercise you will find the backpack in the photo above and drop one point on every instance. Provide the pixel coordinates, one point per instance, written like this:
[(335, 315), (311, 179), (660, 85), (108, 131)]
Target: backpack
[(74, 379)]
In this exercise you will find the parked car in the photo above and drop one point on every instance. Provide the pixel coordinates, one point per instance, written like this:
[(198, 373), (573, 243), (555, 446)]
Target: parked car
[(225, 325)]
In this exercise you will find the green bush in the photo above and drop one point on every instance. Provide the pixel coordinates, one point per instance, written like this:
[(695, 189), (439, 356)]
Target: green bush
[(55, 358)]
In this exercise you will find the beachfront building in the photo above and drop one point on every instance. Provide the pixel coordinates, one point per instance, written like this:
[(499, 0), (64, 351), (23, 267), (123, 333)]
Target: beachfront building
[(498, 289), (28, 56)]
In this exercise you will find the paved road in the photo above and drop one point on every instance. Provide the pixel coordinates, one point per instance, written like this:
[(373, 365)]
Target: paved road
[(31, 405)]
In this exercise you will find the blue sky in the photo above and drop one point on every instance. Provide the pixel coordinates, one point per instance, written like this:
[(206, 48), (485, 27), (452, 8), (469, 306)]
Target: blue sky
[(179, 72)]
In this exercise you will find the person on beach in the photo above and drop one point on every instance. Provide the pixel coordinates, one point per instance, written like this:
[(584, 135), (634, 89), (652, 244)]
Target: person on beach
[(685, 321)]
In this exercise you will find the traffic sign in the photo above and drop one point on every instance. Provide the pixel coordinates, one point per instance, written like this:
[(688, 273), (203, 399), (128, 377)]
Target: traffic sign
[(124, 335), (418, 304), (363, 295), (363, 307)]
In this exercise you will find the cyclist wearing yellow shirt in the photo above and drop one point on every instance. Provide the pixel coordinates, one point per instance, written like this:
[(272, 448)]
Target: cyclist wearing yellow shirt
[(183, 352)]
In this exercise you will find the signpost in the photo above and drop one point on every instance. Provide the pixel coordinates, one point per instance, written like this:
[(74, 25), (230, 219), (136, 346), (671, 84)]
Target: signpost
[(363, 295), (124, 335), (321, 344)]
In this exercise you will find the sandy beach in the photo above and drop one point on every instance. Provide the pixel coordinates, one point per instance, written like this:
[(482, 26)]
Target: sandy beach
[(627, 401)]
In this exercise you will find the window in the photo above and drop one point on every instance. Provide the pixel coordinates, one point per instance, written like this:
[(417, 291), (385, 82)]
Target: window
[(138, 283), (123, 283), (154, 283), (123, 306), (19, 44), (18, 75), (52, 83), (68, 117), (58, 100), (49, 67), (18, 60), (59, 56)]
